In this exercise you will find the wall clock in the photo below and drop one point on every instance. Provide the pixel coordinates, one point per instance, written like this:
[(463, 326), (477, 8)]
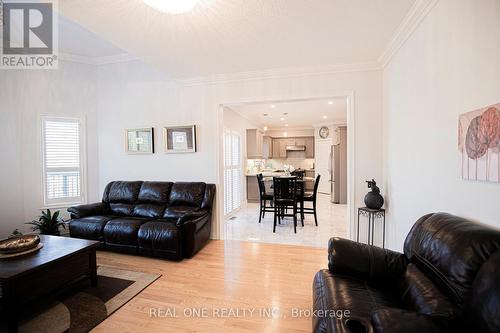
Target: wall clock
[(324, 132)]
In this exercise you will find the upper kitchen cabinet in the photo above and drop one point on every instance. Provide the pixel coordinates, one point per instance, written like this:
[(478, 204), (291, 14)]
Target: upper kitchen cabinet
[(267, 147), (309, 143), (255, 142)]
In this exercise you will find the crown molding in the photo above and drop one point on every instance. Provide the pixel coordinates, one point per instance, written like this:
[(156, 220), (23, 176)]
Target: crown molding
[(96, 61), (412, 20), (279, 73)]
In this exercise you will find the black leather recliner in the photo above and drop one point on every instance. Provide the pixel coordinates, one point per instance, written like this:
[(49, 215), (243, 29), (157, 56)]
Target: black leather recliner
[(162, 219), (447, 280)]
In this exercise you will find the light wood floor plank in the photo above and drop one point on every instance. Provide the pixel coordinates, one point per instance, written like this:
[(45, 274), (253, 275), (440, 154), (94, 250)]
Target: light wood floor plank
[(224, 275)]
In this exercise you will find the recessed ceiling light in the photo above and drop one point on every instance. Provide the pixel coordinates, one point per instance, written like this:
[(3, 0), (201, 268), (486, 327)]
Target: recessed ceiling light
[(286, 125), (285, 134), (330, 102), (324, 117), (265, 128), (172, 6), (273, 106), (282, 118)]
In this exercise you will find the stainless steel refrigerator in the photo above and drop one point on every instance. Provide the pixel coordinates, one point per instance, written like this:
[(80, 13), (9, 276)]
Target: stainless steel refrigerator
[(338, 166)]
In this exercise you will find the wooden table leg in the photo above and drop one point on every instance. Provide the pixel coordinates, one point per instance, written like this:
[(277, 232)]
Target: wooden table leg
[(10, 308), (93, 268)]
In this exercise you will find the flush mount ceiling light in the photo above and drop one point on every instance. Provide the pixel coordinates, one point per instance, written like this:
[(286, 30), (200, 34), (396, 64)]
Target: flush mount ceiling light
[(172, 6), (324, 117), (265, 128), (282, 118), (330, 102), (286, 125), (273, 106)]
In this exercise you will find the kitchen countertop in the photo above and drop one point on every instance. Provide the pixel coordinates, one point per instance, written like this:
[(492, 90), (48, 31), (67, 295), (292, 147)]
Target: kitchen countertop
[(270, 173)]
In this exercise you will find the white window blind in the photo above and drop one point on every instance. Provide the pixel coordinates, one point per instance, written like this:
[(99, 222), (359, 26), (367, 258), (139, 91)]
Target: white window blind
[(62, 161), (232, 171)]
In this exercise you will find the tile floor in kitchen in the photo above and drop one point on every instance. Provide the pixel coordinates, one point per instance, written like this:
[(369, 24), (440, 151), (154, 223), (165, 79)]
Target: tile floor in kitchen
[(332, 222)]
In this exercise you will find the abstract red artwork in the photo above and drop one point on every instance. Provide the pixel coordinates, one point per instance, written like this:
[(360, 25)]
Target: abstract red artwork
[(479, 144)]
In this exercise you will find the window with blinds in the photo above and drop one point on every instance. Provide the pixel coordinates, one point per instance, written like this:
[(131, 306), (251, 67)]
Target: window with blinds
[(232, 171), (62, 161)]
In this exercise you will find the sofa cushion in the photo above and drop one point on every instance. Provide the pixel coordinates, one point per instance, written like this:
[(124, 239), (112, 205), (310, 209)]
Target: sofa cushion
[(123, 230), (155, 192), (122, 191), (338, 292), (148, 210), (174, 212), (450, 250), (124, 209), (160, 237), (90, 227), (422, 296), (187, 194)]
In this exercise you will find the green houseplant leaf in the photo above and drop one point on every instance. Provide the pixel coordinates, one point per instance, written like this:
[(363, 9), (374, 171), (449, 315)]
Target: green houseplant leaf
[(48, 223)]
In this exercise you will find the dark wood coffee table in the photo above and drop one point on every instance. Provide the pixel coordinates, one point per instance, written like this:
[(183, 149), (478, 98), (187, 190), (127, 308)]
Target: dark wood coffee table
[(61, 261)]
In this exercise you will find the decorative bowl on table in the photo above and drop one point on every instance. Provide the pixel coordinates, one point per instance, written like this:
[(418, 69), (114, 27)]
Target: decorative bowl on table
[(19, 244)]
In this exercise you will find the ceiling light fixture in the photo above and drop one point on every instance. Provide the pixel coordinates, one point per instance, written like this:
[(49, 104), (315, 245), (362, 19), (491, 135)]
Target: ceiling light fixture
[(282, 118), (265, 115), (285, 134), (265, 128), (172, 6), (330, 102), (324, 117), (273, 106), (286, 125), (285, 113)]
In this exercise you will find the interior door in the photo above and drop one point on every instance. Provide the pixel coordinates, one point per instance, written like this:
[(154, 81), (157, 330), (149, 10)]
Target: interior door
[(322, 165)]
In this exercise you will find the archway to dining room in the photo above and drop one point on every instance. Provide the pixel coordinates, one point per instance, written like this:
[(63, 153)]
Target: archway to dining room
[(306, 141)]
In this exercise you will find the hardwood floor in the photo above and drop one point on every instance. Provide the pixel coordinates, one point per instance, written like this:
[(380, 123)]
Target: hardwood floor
[(225, 277)]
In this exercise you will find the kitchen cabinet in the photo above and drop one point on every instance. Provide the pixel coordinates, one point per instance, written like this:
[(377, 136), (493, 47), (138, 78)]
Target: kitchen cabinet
[(253, 194), (309, 143), (309, 186), (255, 140), (267, 147)]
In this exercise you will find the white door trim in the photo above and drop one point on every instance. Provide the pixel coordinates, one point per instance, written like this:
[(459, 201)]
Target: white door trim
[(351, 149)]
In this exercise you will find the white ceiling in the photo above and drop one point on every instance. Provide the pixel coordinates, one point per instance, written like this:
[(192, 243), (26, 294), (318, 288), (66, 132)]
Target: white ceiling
[(301, 114), (75, 40), (227, 36)]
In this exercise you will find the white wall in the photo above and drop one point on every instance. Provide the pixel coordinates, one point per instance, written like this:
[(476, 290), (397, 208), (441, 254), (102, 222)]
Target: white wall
[(450, 65), (133, 95), (25, 95)]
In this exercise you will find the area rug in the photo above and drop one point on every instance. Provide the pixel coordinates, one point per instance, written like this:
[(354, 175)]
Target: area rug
[(81, 308)]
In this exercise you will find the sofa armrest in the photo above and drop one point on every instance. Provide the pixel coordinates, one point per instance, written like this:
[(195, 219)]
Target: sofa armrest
[(400, 321), (364, 261), (196, 218), (80, 211)]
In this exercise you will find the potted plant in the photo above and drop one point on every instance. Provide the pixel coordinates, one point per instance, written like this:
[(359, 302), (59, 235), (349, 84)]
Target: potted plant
[(48, 223)]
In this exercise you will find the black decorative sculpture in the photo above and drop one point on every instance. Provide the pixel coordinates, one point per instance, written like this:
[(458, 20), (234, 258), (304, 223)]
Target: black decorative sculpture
[(373, 199)]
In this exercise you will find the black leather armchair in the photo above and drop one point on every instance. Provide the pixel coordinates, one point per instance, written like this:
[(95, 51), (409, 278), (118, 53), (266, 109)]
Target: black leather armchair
[(163, 219), (447, 280)]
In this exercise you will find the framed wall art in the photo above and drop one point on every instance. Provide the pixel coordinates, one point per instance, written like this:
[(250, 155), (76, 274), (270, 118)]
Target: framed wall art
[(179, 139), (139, 141), (479, 144)]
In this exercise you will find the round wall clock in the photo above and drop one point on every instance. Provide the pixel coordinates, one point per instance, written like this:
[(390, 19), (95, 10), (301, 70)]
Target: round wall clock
[(324, 132)]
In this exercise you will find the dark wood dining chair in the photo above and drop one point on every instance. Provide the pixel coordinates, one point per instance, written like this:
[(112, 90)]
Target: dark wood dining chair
[(312, 197), (285, 196), (264, 198)]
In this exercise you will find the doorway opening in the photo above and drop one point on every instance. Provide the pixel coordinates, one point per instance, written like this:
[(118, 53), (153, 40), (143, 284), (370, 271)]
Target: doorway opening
[(305, 138)]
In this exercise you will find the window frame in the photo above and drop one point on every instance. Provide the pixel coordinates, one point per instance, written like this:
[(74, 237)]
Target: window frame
[(62, 203), (239, 168)]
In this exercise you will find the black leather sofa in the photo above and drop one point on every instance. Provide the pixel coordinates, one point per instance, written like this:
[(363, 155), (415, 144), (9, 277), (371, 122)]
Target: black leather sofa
[(161, 219), (447, 280)]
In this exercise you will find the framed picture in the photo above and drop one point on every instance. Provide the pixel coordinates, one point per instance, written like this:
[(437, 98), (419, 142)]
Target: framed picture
[(179, 139), (479, 144), (139, 141)]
